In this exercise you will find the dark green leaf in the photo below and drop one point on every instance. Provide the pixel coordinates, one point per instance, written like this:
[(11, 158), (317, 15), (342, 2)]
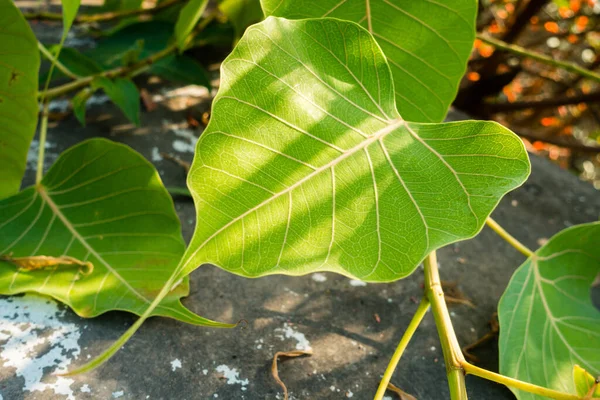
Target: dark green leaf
[(183, 69), (103, 203), (123, 93), (241, 13), (79, 101), (427, 44), (547, 320), (19, 65), (77, 62)]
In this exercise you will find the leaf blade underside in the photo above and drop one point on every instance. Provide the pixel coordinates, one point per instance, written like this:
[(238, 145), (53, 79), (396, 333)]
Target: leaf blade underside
[(427, 44), (548, 322), (100, 202)]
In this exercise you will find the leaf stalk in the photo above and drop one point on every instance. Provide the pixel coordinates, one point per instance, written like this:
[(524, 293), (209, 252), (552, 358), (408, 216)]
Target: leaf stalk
[(508, 237), (424, 306)]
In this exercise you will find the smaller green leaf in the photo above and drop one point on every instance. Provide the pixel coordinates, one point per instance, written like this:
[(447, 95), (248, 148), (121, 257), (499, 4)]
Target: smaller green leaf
[(188, 18), (79, 101), (69, 12), (585, 382), (183, 69), (123, 93), (547, 319), (241, 13)]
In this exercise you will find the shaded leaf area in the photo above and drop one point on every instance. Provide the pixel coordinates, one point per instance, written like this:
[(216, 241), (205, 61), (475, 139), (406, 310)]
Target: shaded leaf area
[(548, 322), (19, 64), (427, 44), (130, 44), (104, 204), (307, 166), (123, 93)]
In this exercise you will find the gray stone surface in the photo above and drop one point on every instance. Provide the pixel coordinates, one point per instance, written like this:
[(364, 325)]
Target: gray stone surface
[(171, 360)]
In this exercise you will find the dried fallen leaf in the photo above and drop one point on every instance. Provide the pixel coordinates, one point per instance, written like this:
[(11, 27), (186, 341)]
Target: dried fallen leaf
[(275, 371), (401, 393), (33, 263)]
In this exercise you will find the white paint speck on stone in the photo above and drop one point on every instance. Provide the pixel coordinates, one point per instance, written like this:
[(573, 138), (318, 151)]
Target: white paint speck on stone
[(287, 332), (232, 375), (32, 154), (118, 394), (319, 277), (432, 348), (35, 343), (356, 282), (349, 394), (176, 363), (85, 389), (156, 155), (204, 372), (332, 388)]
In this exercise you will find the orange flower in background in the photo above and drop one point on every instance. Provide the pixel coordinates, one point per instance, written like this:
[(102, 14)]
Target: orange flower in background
[(549, 121), (551, 27), (473, 76), (572, 39), (581, 22), (575, 5)]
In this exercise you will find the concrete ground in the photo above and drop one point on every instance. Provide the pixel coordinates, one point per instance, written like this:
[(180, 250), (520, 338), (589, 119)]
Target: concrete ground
[(352, 328)]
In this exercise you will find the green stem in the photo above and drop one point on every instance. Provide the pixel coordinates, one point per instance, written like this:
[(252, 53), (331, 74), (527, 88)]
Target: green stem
[(39, 173), (54, 60), (508, 237), (453, 356), (130, 70), (179, 191), (101, 17), (521, 51), (408, 334), (517, 384)]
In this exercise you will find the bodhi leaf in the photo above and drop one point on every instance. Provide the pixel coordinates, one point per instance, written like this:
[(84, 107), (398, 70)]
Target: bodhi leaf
[(19, 65), (102, 203), (548, 322), (188, 18), (427, 44), (307, 166)]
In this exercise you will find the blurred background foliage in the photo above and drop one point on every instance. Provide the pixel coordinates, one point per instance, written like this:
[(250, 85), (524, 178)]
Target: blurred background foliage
[(554, 110)]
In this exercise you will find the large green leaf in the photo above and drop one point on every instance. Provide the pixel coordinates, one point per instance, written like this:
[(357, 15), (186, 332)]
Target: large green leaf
[(427, 43), (307, 166), (548, 322), (188, 18), (19, 65), (104, 203)]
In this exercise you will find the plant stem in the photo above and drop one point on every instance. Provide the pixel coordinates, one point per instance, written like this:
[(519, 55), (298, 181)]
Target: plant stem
[(508, 237), (521, 51), (453, 356), (101, 17), (179, 191), (129, 70), (54, 60), (39, 173), (408, 334), (517, 384)]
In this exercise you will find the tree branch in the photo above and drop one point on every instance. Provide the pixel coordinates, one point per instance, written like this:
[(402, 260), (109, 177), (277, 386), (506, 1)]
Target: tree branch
[(100, 17), (545, 103), (520, 51)]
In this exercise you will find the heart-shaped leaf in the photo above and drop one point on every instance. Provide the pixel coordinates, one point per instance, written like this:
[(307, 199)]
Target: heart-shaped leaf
[(19, 65), (426, 42), (104, 204), (547, 320), (307, 166)]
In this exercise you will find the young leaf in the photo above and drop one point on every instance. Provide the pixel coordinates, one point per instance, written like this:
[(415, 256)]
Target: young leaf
[(547, 319), (79, 101), (104, 204), (181, 68), (188, 18), (123, 93), (307, 166), (427, 44), (585, 383), (241, 13), (19, 65)]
